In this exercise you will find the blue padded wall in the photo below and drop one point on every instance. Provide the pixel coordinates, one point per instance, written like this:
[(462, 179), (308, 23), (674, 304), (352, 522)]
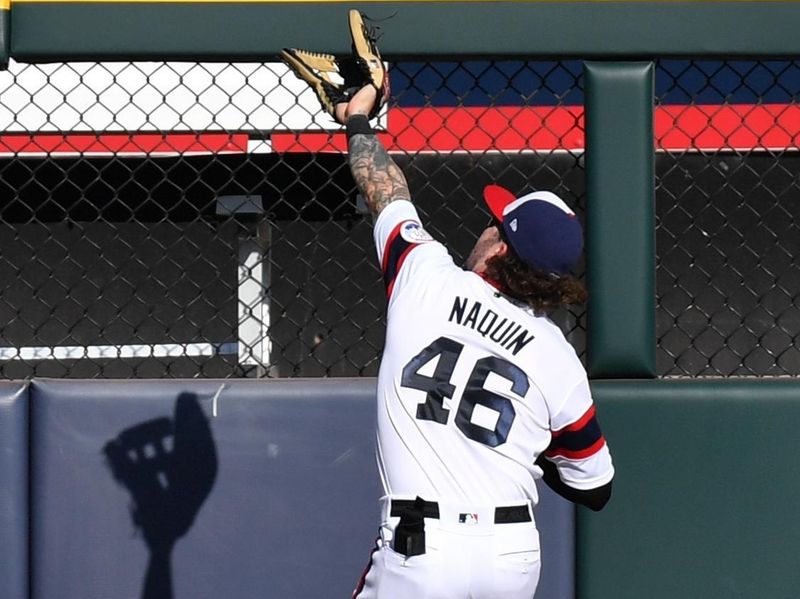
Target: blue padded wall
[(281, 475), (555, 519), (292, 511), (13, 490)]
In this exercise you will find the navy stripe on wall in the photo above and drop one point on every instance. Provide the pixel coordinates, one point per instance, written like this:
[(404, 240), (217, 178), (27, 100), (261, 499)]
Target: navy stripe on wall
[(551, 83)]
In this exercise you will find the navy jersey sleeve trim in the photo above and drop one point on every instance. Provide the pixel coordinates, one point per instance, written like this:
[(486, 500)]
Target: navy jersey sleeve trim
[(396, 250), (579, 440)]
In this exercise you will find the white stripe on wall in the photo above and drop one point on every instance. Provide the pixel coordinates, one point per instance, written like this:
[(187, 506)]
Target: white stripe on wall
[(159, 350), (158, 96)]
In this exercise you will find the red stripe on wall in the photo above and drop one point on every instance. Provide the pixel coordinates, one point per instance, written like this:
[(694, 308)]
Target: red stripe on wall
[(470, 129), (728, 127), (320, 142), (477, 129), (124, 143), (677, 127), (473, 129)]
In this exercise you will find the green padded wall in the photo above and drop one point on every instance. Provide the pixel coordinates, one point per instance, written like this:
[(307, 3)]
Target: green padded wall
[(705, 502), (5, 38), (620, 214)]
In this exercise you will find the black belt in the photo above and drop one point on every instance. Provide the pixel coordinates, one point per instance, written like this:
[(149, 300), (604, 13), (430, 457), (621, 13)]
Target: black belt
[(430, 509)]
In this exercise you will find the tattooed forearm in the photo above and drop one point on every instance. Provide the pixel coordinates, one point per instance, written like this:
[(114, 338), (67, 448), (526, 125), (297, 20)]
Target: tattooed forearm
[(378, 178)]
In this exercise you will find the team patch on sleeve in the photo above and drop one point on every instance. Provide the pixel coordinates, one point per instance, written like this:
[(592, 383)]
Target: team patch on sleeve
[(403, 238), (579, 440)]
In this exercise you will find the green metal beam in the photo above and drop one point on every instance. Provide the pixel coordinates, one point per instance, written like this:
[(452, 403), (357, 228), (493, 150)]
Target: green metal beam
[(55, 31)]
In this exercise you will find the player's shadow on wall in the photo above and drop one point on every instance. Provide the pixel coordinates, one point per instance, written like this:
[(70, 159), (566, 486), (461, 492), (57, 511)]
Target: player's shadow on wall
[(169, 466)]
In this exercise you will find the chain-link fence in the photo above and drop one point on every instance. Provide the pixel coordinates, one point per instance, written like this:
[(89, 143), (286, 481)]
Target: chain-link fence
[(728, 202), (199, 220)]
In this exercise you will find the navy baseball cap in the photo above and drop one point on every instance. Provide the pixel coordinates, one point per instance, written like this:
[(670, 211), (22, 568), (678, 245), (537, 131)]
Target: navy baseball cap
[(539, 226)]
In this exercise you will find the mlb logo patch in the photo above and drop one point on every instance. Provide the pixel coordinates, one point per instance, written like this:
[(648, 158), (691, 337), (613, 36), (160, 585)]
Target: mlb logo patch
[(468, 518)]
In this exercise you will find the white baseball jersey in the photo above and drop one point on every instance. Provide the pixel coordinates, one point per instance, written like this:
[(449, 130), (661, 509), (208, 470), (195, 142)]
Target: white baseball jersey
[(473, 386)]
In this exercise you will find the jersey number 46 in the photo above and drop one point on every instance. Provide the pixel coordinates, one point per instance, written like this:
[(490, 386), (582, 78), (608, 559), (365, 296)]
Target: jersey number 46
[(438, 386)]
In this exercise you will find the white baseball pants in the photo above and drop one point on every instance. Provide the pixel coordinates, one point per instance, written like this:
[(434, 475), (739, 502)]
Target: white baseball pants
[(467, 556)]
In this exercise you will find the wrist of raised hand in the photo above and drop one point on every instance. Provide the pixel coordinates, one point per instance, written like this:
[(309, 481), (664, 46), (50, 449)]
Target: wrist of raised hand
[(358, 124)]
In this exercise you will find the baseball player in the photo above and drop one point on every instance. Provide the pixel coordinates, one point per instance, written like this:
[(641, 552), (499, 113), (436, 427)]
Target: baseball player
[(479, 393)]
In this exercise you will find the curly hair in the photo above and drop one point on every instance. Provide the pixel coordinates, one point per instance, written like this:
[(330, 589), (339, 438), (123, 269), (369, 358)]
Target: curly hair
[(540, 290)]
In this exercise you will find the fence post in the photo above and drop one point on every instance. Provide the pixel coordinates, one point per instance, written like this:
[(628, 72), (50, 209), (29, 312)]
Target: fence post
[(621, 219)]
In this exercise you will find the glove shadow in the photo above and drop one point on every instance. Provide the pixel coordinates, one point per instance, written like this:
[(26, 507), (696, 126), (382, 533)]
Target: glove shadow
[(169, 467)]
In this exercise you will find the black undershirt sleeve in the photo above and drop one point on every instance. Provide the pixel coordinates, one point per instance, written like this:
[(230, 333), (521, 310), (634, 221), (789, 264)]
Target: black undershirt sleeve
[(594, 499)]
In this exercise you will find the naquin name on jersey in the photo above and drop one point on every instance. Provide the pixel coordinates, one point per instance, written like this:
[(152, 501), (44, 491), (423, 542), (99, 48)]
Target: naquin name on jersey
[(485, 321)]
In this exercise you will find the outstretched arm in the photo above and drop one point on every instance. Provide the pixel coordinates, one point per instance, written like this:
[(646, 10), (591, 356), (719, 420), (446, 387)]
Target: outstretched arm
[(377, 176)]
